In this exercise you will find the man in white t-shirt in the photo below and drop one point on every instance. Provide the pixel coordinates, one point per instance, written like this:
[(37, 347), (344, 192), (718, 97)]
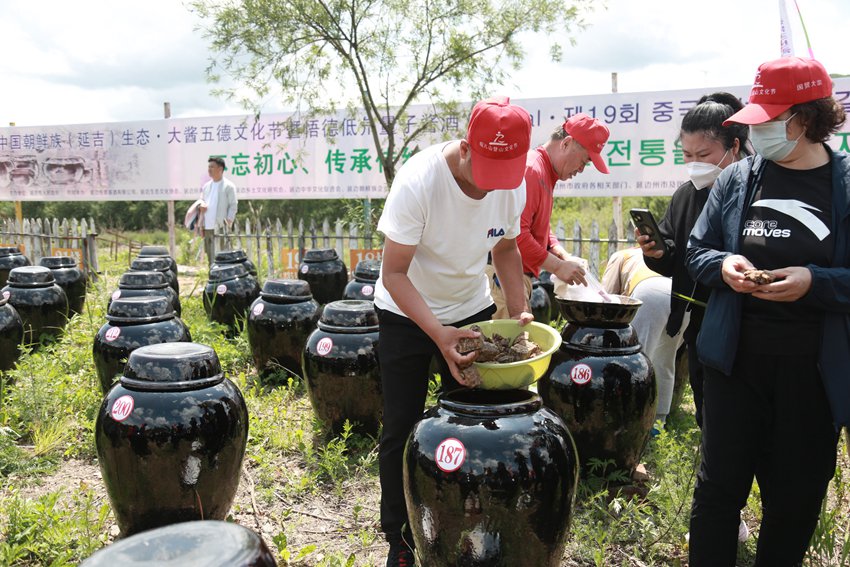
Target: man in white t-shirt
[(442, 217), (218, 204)]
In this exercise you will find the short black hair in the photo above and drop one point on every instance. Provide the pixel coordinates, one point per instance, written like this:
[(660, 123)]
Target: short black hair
[(821, 117), (218, 161)]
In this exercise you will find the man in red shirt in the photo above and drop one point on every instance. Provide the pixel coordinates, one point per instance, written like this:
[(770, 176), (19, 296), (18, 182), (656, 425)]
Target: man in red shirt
[(570, 148)]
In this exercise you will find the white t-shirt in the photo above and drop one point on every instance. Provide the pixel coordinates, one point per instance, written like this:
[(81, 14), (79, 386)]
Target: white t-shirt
[(452, 233), (212, 205)]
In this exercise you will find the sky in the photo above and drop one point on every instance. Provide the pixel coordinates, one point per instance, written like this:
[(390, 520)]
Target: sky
[(93, 61)]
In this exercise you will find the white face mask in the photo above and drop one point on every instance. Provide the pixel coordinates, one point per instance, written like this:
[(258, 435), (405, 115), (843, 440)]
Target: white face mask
[(770, 140), (703, 174)]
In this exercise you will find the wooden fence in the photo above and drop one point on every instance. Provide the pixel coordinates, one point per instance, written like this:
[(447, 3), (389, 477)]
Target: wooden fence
[(44, 237), (269, 242), (274, 243)]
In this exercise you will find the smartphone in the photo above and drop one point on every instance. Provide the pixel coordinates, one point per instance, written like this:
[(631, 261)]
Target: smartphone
[(645, 223)]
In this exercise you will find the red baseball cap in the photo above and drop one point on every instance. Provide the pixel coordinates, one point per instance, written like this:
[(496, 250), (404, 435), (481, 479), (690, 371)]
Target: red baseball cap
[(779, 85), (591, 134), (499, 134)]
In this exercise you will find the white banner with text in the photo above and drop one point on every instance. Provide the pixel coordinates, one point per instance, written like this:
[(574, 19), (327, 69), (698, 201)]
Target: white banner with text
[(282, 156)]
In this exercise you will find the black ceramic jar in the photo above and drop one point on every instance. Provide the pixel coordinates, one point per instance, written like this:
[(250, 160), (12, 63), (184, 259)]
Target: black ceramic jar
[(70, 278), (366, 273), (170, 438), (238, 256), (133, 322), (145, 284), (10, 257), (207, 543), (157, 265), (229, 293), (42, 305), (545, 279), (279, 322), (489, 480), (341, 366), (11, 335), (539, 303), (600, 382), (159, 252), (325, 272)]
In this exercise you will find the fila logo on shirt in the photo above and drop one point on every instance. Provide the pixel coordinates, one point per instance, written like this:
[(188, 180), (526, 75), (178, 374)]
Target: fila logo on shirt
[(495, 232), (797, 210)]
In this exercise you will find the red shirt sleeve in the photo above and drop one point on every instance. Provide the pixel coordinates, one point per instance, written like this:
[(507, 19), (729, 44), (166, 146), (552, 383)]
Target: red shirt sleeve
[(532, 250)]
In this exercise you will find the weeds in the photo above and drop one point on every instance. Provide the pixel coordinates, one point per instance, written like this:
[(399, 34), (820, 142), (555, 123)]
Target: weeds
[(49, 403)]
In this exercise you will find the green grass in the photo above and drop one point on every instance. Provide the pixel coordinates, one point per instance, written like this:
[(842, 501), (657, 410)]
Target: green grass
[(48, 406)]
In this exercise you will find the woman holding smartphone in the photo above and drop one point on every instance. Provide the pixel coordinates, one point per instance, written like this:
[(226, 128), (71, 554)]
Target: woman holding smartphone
[(707, 147)]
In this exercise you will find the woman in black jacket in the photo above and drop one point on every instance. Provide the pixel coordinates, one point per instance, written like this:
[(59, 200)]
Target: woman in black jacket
[(707, 148)]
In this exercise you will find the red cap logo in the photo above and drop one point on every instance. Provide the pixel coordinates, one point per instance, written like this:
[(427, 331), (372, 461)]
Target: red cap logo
[(499, 135)]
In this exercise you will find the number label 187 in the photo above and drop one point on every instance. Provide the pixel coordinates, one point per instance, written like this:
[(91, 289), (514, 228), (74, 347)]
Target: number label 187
[(450, 455)]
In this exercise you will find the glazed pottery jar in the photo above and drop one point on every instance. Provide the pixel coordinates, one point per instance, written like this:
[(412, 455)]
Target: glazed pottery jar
[(133, 322), (548, 285), (70, 278), (170, 438), (539, 303), (325, 272), (11, 335), (229, 293), (489, 480), (156, 264), (279, 322), (145, 284), (600, 382), (366, 273), (10, 257), (159, 252), (341, 366), (207, 543), (238, 256), (42, 305)]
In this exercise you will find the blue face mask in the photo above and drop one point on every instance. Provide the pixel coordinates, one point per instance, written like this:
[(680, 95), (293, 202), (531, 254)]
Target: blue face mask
[(770, 140)]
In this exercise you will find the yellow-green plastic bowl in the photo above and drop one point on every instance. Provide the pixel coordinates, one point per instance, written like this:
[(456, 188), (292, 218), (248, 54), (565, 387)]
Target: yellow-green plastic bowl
[(513, 375)]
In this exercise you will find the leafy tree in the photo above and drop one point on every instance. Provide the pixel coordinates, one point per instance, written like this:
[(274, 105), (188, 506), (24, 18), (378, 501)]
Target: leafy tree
[(382, 55)]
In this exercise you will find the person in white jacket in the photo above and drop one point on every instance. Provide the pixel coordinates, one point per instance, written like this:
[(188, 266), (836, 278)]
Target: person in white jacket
[(219, 205)]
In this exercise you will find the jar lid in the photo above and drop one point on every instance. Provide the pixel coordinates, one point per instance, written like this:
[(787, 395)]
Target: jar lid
[(148, 264), (320, 255), (153, 251), (202, 543), (367, 271), (227, 272), (142, 280), (31, 276), (148, 309), (172, 366), (288, 291), (57, 262), (9, 251), (349, 316), (230, 256)]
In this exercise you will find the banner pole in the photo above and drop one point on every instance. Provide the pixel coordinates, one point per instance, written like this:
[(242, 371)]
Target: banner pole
[(172, 238), (616, 202)]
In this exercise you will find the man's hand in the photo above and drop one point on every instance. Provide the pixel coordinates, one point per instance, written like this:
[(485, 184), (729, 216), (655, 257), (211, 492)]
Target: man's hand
[(447, 344), (571, 271), (646, 245), (791, 284), (524, 318)]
